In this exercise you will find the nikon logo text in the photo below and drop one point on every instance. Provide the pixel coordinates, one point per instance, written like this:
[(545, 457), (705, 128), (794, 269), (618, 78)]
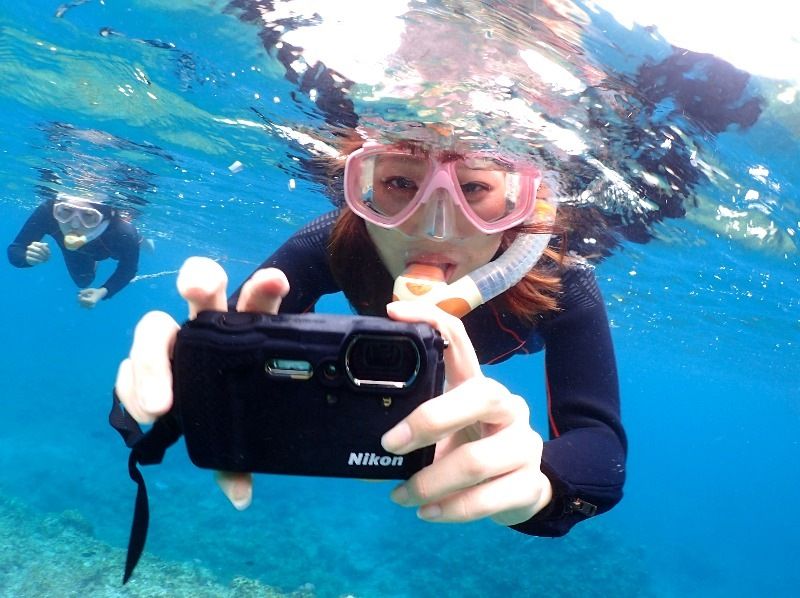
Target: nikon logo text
[(371, 459)]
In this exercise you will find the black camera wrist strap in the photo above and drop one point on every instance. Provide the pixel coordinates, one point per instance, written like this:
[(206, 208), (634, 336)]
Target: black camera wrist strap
[(147, 448)]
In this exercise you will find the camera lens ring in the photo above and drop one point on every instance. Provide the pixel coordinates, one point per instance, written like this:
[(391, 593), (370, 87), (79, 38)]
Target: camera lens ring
[(382, 361)]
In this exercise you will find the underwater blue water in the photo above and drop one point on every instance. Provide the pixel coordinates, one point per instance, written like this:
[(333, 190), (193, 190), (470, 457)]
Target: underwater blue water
[(706, 328)]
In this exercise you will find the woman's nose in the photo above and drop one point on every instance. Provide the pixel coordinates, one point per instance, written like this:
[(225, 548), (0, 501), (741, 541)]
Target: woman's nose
[(434, 219)]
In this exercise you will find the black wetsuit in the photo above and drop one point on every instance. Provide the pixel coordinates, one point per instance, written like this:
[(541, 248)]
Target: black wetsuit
[(585, 456), (120, 242)]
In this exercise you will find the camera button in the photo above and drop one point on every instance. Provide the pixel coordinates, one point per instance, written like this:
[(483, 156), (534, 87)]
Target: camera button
[(236, 319)]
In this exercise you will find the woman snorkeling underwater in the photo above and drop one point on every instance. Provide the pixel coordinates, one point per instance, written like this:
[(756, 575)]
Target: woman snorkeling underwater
[(468, 232)]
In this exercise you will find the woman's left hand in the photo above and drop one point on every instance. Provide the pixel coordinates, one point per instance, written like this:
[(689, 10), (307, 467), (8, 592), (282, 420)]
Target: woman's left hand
[(488, 458)]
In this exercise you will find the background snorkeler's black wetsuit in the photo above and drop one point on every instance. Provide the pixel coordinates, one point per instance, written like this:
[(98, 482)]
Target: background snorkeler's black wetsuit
[(585, 456), (120, 241)]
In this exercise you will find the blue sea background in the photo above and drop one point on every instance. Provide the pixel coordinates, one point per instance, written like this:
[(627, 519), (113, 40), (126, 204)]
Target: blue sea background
[(706, 327)]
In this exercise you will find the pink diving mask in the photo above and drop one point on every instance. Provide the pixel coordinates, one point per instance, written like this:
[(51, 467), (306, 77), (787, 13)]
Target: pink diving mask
[(387, 184)]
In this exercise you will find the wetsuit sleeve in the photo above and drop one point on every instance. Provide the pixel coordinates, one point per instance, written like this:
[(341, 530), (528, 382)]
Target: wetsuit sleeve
[(585, 456), (304, 260), (39, 224), (123, 243)]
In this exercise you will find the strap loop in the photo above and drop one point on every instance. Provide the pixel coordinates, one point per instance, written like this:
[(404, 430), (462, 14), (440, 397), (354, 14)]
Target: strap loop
[(147, 448)]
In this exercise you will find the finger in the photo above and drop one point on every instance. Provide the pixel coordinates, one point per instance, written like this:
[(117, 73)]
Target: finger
[(480, 400), (237, 487), (471, 464), (202, 282), (461, 362), (263, 292), (126, 393), (516, 497), (153, 340)]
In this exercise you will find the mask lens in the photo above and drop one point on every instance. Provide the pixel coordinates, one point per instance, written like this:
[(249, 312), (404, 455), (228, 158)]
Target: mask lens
[(385, 184), (65, 213), (89, 217), (494, 192)]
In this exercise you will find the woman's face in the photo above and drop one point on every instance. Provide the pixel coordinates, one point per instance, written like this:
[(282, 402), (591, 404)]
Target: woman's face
[(402, 247)]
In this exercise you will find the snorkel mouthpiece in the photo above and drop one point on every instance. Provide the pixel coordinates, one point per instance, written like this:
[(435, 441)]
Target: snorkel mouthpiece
[(73, 241), (426, 282)]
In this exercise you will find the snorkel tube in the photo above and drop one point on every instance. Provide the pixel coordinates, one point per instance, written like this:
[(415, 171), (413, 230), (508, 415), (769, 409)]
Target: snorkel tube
[(484, 283)]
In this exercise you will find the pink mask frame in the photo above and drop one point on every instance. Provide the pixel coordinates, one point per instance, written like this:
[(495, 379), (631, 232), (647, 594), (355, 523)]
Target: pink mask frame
[(440, 175)]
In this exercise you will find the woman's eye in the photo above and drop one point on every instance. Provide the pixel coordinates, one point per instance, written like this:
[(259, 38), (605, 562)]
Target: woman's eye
[(400, 183), (473, 189)]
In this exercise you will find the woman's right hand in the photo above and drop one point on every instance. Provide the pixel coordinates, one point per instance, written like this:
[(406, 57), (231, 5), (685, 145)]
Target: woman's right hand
[(144, 379), (37, 253)]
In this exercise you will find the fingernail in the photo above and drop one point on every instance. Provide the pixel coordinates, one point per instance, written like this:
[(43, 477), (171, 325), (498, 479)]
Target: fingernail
[(429, 512), (236, 487), (240, 503), (397, 438), (400, 495), (241, 494)]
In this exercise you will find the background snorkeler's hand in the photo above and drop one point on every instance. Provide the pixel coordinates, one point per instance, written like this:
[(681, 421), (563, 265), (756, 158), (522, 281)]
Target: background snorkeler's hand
[(37, 253), (144, 380), (488, 458), (88, 298)]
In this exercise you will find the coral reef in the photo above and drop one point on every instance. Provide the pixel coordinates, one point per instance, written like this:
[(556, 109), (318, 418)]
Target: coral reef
[(57, 556)]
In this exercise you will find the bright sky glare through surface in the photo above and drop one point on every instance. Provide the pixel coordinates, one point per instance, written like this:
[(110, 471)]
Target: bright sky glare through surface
[(763, 39)]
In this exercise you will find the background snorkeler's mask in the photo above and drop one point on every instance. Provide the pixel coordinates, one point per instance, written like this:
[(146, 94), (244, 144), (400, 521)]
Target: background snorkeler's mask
[(67, 213), (387, 185)]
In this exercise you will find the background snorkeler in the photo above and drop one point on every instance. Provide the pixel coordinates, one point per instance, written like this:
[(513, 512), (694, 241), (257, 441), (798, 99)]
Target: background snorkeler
[(87, 232)]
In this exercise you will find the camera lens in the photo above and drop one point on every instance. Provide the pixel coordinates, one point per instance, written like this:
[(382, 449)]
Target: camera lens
[(382, 361)]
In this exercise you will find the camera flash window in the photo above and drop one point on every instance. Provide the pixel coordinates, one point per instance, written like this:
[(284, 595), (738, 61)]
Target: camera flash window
[(294, 369)]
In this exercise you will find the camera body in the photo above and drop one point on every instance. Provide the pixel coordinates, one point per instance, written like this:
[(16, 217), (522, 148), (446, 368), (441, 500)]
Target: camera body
[(305, 394)]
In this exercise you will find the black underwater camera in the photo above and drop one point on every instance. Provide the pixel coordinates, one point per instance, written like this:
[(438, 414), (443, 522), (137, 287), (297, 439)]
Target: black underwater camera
[(290, 394), (302, 394)]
